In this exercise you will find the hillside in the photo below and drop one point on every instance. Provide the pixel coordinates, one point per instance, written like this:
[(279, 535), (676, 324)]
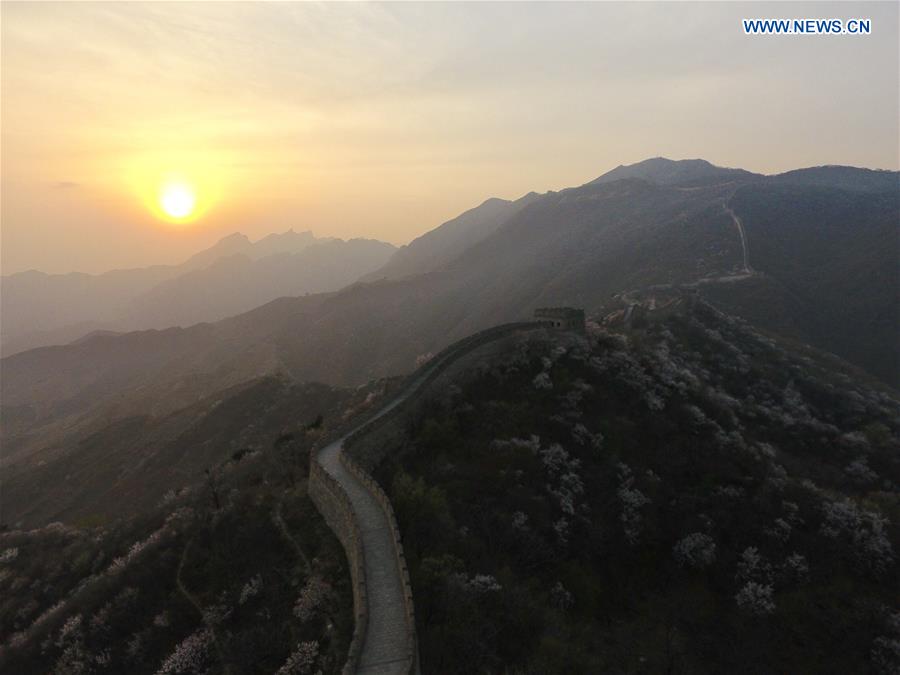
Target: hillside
[(230, 277), (831, 255), (821, 275), (620, 235), (239, 283), (122, 467), (442, 245), (842, 177), (664, 498), (685, 173), (230, 571)]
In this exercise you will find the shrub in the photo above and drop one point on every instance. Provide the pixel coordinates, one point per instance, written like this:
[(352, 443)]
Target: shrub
[(755, 598), (696, 550)]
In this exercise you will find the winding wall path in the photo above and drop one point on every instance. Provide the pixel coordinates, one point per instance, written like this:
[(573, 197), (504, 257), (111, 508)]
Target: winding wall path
[(361, 516), (385, 647), (745, 247)]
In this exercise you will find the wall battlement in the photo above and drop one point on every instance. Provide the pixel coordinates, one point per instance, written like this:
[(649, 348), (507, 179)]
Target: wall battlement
[(564, 318), (334, 503)]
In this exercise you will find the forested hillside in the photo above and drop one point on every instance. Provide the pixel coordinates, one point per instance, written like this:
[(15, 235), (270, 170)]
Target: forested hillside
[(681, 496)]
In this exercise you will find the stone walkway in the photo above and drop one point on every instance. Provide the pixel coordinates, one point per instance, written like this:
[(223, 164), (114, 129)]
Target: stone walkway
[(385, 647)]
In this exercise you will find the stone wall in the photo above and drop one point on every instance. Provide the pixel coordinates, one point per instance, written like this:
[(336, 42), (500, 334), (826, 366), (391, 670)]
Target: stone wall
[(408, 606), (418, 381), (333, 503)]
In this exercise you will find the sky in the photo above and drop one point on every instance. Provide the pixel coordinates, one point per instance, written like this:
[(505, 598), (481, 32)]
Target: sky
[(384, 120)]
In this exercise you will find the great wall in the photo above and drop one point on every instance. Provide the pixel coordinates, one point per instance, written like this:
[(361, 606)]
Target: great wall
[(360, 514)]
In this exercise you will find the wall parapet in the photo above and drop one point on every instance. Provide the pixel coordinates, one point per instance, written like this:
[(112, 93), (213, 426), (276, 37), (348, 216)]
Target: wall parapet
[(408, 607), (429, 372), (332, 501), (335, 505)]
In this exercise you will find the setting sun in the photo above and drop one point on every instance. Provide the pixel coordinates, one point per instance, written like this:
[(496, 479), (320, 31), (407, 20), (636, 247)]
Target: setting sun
[(177, 200), (179, 196)]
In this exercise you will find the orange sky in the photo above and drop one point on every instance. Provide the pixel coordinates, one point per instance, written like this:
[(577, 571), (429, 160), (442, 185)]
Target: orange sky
[(383, 120)]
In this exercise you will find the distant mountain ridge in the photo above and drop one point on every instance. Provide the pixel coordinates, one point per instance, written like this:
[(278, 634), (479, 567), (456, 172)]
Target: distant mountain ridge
[(843, 177), (444, 243), (685, 172), (271, 244), (43, 309), (824, 274), (237, 283)]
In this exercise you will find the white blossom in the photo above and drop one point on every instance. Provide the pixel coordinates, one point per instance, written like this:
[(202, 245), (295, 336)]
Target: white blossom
[(520, 521), (753, 567), (885, 655), (477, 585), (9, 554), (120, 563), (864, 531), (216, 614), (795, 568), (767, 450), (561, 528), (729, 491), (778, 477), (653, 401), (542, 381), (856, 440), (780, 530), (70, 630), (190, 656), (755, 598), (792, 513), (633, 500), (311, 598), (696, 550), (134, 646), (302, 660), (583, 436), (533, 443), (251, 589), (859, 472)]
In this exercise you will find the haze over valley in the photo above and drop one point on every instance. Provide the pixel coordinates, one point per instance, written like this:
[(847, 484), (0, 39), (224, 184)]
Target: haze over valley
[(667, 224), (234, 275)]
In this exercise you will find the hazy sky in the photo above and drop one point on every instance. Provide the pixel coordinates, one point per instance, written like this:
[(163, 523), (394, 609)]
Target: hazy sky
[(383, 120)]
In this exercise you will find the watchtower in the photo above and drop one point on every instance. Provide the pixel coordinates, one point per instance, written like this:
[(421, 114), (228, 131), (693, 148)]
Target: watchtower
[(563, 318)]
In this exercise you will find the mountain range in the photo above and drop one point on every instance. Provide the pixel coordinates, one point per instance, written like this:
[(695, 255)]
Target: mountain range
[(808, 256), (230, 277)]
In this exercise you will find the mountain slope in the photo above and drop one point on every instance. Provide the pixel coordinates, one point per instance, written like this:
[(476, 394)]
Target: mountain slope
[(660, 499), (239, 283), (842, 177), (41, 309), (441, 245), (208, 576), (576, 247), (684, 172), (833, 255), (123, 467)]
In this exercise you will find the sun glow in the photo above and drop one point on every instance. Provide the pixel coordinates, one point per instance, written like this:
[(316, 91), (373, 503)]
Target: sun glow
[(178, 188), (177, 200)]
